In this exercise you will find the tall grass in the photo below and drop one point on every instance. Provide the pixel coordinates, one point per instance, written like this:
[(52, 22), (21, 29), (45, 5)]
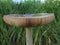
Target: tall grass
[(43, 35)]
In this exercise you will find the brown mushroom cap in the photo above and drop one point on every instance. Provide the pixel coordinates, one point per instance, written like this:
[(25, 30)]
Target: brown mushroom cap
[(29, 20)]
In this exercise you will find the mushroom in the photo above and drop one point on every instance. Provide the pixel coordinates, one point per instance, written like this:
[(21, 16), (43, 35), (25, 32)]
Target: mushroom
[(28, 21)]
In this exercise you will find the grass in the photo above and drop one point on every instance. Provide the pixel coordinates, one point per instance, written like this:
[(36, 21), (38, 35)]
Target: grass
[(43, 35)]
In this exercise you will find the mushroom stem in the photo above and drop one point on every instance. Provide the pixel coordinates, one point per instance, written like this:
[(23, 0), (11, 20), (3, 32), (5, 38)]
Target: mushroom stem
[(29, 40)]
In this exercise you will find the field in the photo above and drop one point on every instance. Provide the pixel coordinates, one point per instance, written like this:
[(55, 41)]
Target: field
[(43, 35)]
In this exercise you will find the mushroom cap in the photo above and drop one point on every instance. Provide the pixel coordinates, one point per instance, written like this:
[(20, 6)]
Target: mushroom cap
[(29, 20)]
